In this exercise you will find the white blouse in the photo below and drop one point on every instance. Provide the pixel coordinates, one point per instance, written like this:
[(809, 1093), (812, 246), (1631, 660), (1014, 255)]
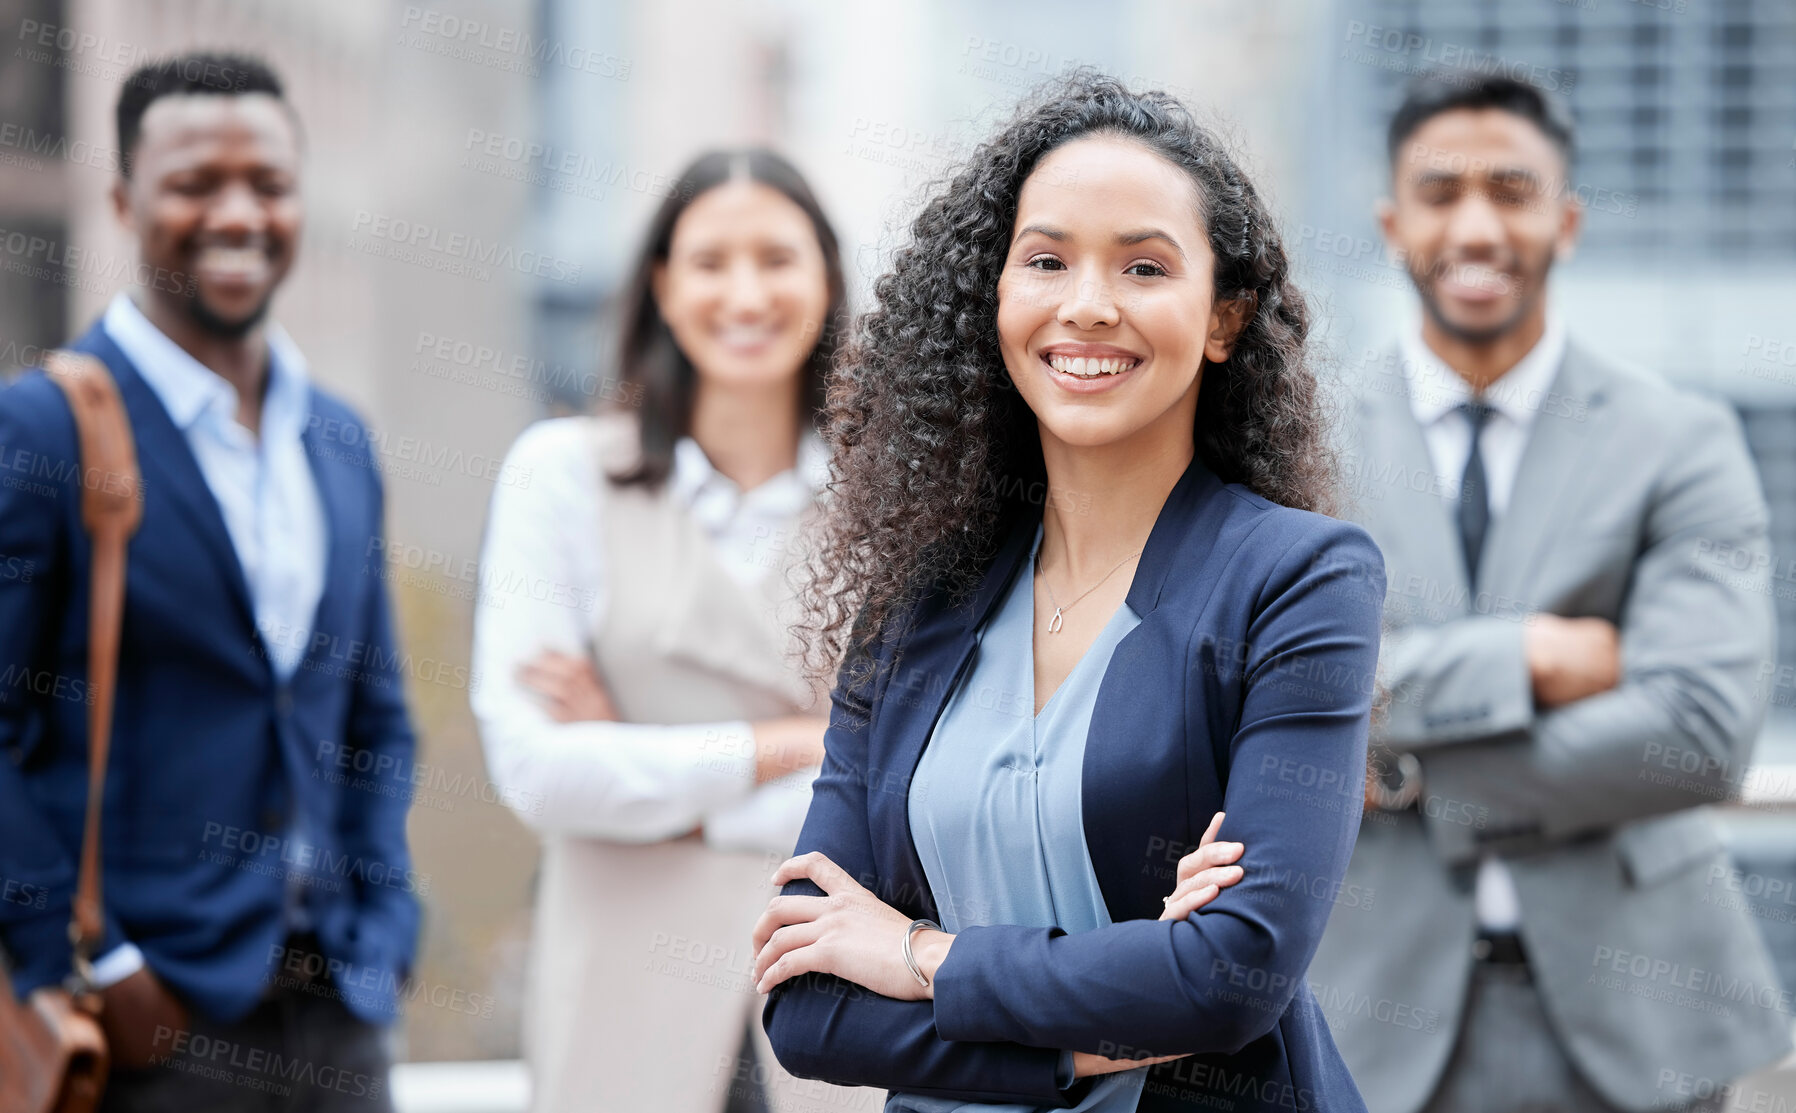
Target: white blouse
[(629, 782)]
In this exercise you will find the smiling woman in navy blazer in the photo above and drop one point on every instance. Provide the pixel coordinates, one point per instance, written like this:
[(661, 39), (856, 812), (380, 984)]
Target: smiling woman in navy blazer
[(1085, 600)]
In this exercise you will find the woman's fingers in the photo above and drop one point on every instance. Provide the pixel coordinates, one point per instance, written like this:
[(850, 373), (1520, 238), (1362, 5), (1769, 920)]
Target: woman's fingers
[(549, 682), (790, 965), (1202, 885), (1182, 906), (543, 673), (570, 688), (817, 867), (1208, 856), (1204, 843), (1211, 831), (538, 679), (781, 942), (559, 663), (559, 670), (1086, 1064), (1211, 878), (1220, 876), (783, 910)]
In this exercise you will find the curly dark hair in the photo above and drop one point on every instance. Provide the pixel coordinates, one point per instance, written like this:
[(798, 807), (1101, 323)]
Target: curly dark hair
[(931, 441)]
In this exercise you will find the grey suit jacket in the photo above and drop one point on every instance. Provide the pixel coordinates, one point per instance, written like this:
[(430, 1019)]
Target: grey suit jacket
[(1634, 502)]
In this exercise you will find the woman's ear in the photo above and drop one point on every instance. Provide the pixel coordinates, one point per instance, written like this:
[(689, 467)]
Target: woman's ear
[(1227, 319)]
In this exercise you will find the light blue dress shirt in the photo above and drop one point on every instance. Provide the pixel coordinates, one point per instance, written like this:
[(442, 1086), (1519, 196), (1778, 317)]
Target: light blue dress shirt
[(995, 807), (264, 485), (265, 491)]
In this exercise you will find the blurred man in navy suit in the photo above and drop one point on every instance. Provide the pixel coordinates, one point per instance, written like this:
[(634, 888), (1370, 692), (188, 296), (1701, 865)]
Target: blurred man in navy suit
[(257, 900)]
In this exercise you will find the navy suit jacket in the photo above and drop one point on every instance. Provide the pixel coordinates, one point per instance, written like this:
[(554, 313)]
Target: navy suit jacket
[(1246, 688), (213, 758)]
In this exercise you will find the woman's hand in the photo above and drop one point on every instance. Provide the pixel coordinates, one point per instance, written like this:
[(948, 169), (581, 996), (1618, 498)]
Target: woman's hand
[(786, 745), (848, 932), (1204, 873), (1085, 1064), (570, 687)]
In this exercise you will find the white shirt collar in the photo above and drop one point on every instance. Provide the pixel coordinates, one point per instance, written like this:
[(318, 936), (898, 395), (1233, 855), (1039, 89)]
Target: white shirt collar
[(694, 477), (188, 389), (1436, 390)]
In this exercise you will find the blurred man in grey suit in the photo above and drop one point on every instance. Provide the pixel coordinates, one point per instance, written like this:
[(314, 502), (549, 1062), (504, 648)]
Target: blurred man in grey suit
[(1577, 619)]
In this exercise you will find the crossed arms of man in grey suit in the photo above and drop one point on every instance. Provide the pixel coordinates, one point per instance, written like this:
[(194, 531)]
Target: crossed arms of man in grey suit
[(1562, 727)]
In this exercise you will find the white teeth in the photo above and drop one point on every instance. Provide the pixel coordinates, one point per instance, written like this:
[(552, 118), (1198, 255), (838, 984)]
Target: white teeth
[(239, 260), (1475, 277), (1089, 368), (739, 336)]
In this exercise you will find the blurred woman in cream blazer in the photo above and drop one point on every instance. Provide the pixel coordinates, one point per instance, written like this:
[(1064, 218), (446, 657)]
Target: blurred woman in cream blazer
[(641, 704)]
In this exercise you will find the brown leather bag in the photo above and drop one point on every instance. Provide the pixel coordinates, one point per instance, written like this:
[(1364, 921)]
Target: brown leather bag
[(53, 1056)]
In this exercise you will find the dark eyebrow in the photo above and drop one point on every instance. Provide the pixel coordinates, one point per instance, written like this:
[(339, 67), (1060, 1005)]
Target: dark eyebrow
[(1435, 177), (1129, 239), (1515, 175), (1124, 238), (1502, 175)]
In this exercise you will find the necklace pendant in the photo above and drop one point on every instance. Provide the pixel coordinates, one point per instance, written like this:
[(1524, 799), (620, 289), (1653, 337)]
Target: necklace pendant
[(1056, 622)]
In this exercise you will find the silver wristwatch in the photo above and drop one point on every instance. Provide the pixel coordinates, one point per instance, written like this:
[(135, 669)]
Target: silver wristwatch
[(1406, 791)]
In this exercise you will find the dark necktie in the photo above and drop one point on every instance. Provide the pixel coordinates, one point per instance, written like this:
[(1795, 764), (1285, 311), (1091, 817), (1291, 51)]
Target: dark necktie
[(1474, 494)]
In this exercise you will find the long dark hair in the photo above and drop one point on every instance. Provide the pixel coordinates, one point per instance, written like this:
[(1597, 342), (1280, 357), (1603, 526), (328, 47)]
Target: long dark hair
[(647, 355), (929, 435)]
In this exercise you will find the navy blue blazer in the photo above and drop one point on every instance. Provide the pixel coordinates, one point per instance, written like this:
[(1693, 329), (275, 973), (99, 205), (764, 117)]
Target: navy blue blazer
[(1245, 688), (212, 758)]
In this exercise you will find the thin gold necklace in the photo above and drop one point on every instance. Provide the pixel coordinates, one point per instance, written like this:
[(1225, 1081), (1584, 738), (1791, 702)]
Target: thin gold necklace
[(1056, 622)]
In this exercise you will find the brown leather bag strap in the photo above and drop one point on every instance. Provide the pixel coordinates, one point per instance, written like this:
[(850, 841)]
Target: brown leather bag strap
[(111, 508)]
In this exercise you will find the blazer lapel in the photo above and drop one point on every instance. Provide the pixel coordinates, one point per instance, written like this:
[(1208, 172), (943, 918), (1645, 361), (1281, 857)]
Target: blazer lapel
[(1394, 491), (337, 492), (169, 468), (936, 653), (1570, 421), (1124, 812), (928, 665)]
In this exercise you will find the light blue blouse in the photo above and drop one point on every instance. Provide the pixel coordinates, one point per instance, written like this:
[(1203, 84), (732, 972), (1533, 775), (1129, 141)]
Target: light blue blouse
[(995, 806)]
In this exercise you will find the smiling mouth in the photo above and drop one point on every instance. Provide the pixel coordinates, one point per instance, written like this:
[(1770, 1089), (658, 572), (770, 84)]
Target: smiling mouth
[(748, 338), (1475, 282), (1089, 368), (232, 264)]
